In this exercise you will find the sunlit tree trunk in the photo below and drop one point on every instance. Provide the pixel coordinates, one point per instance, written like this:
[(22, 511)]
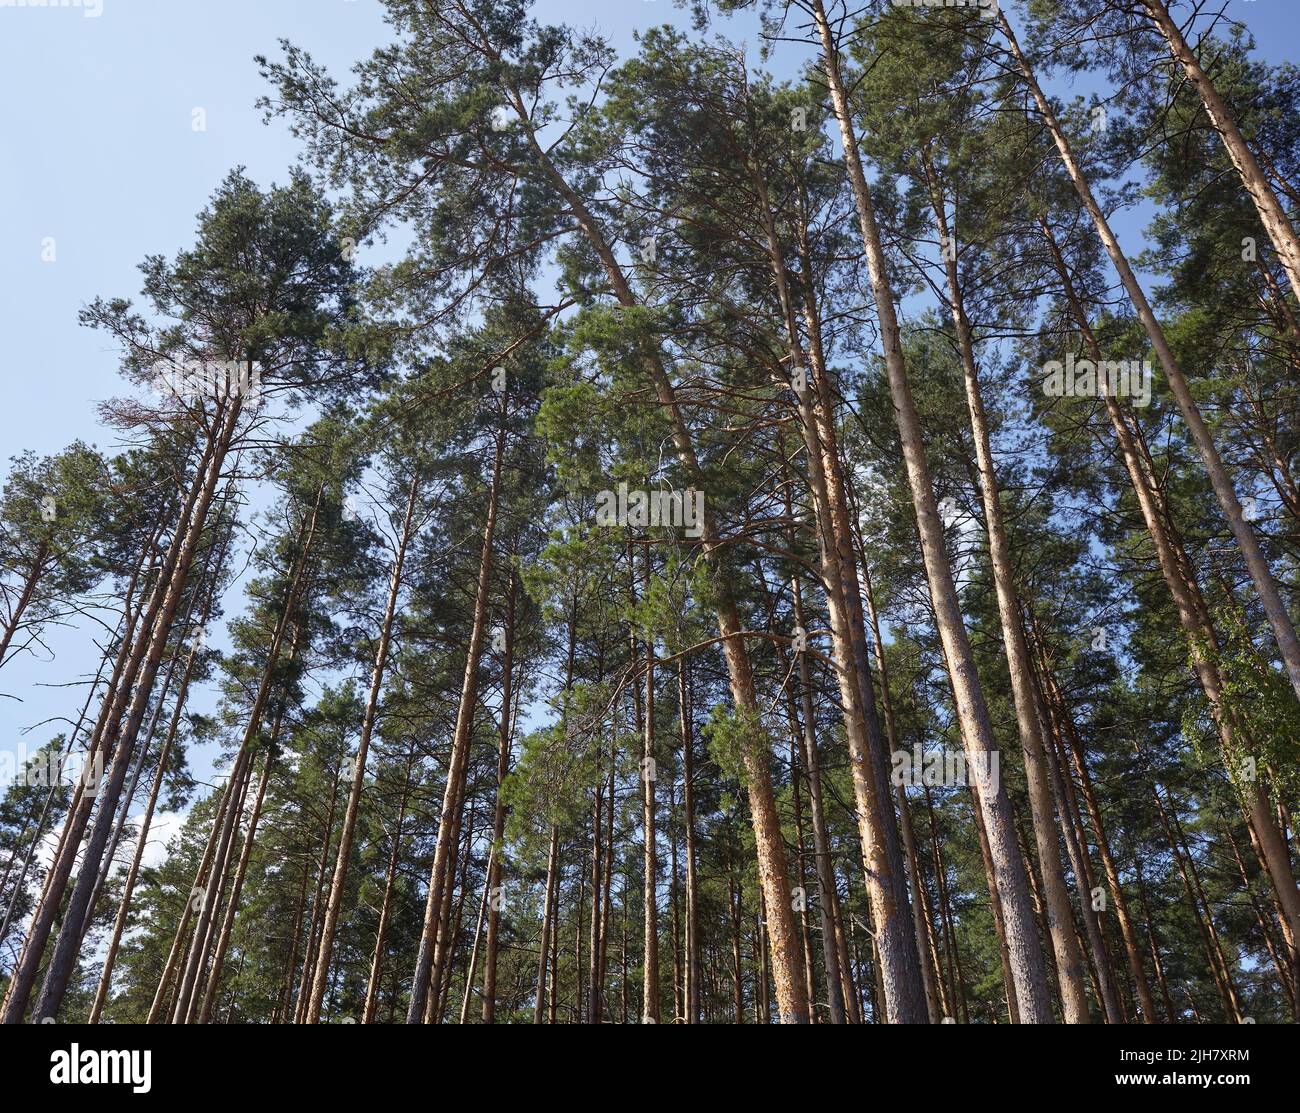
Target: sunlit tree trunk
[(1007, 878)]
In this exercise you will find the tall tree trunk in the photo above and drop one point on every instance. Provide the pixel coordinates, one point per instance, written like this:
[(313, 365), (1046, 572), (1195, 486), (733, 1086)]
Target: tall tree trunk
[(692, 931), (204, 932), (471, 975), (318, 899), (1196, 895), (160, 773), (606, 900), (733, 909), (593, 1013), (350, 813), (385, 907), (1285, 974), (1008, 878), (147, 630), (920, 902), (76, 817), (1074, 750), (499, 814), (800, 875), (1107, 993), (827, 893), (199, 890), (20, 881), (281, 1014), (1170, 1014), (158, 628), (792, 994), (1193, 617), (1057, 907), (956, 982), (458, 762), (650, 907), (237, 886), (544, 943), (450, 932), (189, 992), (877, 826)]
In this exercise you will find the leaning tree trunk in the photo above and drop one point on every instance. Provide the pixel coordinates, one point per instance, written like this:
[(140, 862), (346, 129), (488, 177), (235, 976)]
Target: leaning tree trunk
[(176, 954), (593, 1011), (934, 992), (20, 882), (1193, 616), (1107, 993), (499, 811), (65, 753), (769, 844), (385, 907), (548, 922), (1271, 213), (827, 894), (158, 633), (188, 988), (1261, 575), (173, 726), (650, 903), (877, 826), (1008, 879), (237, 885), (131, 659), (1057, 905), (318, 898), (1202, 914), (692, 931), (196, 958)]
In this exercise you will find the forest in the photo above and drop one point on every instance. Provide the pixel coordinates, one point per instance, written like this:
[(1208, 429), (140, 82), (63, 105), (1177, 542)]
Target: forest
[(799, 528)]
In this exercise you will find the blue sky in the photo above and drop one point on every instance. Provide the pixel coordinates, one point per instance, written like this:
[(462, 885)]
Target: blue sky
[(99, 153)]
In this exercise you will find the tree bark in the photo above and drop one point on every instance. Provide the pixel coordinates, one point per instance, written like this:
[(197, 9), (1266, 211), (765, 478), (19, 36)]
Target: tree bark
[(353, 807), (142, 634), (458, 762), (499, 813), (544, 943), (1057, 907), (1194, 618), (1008, 876), (160, 773)]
